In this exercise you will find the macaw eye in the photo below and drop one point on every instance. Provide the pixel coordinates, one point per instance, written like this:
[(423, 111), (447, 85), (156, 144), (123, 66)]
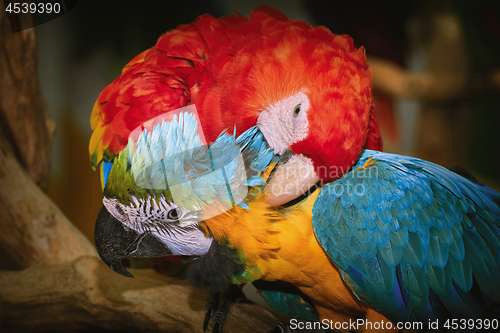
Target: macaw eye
[(173, 214), (296, 111)]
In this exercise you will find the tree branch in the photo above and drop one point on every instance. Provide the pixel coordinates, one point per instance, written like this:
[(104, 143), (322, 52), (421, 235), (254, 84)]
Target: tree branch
[(32, 229), (85, 294), (24, 115)]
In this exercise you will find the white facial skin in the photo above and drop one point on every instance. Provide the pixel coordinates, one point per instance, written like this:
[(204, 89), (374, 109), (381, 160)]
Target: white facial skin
[(173, 225), (283, 124)]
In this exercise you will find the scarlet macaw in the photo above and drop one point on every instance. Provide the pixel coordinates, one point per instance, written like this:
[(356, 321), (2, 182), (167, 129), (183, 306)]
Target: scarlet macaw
[(266, 70)]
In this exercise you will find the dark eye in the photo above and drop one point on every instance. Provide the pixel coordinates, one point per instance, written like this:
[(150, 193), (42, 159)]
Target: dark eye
[(173, 214), (296, 111)]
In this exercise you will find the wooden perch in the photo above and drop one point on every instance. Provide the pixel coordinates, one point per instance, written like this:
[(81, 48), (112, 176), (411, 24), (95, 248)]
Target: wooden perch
[(447, 75), (394, 80), (64, 285), (86, 294)]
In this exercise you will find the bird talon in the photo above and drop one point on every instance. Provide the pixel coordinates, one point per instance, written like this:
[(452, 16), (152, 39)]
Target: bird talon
[(208, 314), (216, 327), (219, 319), (212, 304), (280, 328), (218, 306)]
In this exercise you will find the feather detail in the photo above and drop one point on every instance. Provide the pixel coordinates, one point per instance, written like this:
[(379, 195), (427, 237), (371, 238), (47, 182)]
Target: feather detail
[(436, 232)]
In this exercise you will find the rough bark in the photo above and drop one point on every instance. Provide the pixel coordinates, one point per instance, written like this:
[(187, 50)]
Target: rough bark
[(32, 229), (86, 295), (24, 115)]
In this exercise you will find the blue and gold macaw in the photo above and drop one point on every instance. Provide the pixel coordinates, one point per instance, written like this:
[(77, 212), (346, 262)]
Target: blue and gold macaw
[(394, 239), (160, 187), (405, 240)]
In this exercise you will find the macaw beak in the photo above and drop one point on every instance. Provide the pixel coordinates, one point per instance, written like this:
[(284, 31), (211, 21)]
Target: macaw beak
[(292, 177), (114, 241)]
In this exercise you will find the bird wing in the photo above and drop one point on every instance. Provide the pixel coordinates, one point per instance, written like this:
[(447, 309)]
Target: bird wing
[(412, 238)]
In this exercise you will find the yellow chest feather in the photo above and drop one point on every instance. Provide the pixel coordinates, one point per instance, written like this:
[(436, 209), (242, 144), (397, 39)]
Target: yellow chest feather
[(281, 242)]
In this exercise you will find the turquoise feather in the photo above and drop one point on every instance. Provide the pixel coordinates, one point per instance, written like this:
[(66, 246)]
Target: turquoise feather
[(171, 158), (419, 242), (290, 305)]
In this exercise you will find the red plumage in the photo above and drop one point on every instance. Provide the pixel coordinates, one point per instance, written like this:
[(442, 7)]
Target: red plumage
[(232, 68)]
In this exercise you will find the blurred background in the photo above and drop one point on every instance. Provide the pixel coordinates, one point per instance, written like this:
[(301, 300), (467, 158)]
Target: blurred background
[(436, 66)]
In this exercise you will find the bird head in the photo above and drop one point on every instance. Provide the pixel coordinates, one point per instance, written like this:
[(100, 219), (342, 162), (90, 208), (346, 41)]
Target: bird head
[(166, 181), (310, 93)]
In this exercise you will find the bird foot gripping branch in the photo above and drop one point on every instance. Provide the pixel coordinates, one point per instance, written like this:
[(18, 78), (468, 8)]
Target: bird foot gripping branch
[(218, 306)]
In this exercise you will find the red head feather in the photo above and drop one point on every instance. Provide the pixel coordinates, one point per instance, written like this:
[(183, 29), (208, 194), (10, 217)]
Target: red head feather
[(277, 58), (231, 69)]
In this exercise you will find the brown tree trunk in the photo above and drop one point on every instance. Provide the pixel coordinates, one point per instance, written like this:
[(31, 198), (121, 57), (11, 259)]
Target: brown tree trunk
[(24, 115)]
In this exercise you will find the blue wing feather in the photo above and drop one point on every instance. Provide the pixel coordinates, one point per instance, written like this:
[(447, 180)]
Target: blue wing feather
[(290, 305), (417, 242)]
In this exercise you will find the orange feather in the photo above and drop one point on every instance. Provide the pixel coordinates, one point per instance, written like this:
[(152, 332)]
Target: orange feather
[(282, 244)]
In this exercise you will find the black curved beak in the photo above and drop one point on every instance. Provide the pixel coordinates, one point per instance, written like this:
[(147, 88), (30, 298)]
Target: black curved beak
[(114, 241)]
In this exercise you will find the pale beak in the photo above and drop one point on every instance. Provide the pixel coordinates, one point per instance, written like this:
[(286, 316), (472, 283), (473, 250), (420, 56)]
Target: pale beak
[(294, 175)]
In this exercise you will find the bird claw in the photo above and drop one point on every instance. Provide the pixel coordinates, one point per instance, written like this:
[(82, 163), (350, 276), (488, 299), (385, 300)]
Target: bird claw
[(208, 315), (218, 306), (280, 328), (218, 321)]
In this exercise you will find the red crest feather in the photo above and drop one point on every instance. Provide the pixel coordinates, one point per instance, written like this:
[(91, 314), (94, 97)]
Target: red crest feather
[(232, 68)]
